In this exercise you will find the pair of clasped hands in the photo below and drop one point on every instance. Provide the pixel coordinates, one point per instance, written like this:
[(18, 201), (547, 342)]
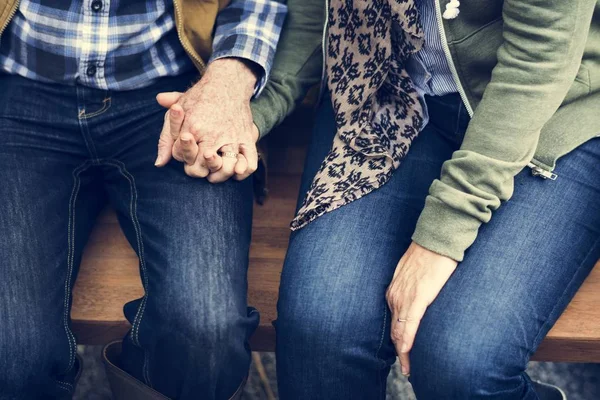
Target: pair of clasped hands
[(209, 128)]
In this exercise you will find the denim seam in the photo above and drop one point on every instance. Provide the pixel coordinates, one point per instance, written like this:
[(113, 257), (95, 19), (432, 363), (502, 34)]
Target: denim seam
[(85, 131), (70, 262), (382, 332), (135, 329), (106, 103), (66, 389), (65, 383), (66, 386), (380, 384), (539, 338)]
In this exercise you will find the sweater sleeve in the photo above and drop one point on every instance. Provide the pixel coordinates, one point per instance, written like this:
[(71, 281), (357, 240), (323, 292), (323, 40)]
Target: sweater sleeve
[(297, 66), (543, 45)]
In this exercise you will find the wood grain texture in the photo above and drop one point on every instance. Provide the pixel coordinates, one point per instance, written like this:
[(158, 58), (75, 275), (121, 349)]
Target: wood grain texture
[(109, 278), (576, 335), (109, 275)]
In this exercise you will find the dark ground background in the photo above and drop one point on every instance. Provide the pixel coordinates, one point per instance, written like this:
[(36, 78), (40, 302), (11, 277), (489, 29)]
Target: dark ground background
[(580, 381)]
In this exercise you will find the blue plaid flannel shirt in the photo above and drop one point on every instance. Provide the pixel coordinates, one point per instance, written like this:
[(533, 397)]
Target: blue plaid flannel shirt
[(127, 44)]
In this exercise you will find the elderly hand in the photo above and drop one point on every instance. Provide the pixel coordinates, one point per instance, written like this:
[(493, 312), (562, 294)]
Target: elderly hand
[(418, 279), (209, 128)]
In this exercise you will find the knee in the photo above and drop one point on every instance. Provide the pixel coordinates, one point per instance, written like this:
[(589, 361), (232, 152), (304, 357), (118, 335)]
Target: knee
[(203, 309), (210, 324), (331, 303), (324, 325), (305, 323), (309, 315), (208, 341), (439, 370), (462, 363), (213, 328), (227, 329)]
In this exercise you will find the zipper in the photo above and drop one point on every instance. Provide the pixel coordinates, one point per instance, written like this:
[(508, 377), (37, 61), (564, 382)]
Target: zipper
[(535, 170), (323, 49), (541, 172), (461, 89), (10, 16), (178, 23)]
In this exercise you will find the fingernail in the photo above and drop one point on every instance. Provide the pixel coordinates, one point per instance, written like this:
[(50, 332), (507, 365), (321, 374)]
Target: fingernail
[(405, 371), (404, 348), (186, 140), (157, 162)]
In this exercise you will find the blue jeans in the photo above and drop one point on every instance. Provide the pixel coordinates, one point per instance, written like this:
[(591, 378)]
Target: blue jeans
[(64, 153), (333, 329)]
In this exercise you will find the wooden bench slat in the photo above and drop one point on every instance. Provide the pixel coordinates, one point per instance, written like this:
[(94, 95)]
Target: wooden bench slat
[(109, 278), (576, 335)]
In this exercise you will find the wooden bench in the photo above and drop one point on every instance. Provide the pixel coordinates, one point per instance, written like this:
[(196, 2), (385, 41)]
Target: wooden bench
[(109, 275)]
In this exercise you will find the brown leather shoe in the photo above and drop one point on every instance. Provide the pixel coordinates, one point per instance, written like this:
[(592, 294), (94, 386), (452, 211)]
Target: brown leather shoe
[(546, 391), (123, 385)]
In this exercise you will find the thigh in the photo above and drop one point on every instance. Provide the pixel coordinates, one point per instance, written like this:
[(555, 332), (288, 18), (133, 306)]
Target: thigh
[(363, 240), (332, 306), (46, 212), (515, 281), (192, 236)]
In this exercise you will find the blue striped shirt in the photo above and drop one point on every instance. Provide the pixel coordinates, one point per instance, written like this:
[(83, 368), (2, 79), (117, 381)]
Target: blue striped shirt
[(429, 67), (127, 44)]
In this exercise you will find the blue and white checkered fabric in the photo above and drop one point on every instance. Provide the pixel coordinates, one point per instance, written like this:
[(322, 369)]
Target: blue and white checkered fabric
[(126, 44), (250, 30)]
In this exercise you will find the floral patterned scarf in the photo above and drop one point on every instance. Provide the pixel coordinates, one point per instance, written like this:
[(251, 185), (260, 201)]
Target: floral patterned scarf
[(377, 109)]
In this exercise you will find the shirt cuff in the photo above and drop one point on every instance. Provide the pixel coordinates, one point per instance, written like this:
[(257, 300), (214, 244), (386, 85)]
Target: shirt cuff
[(445, 230), (250, 30)]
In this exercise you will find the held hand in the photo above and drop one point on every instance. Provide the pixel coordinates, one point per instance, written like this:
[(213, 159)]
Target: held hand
[(210, 127), (418, 279)]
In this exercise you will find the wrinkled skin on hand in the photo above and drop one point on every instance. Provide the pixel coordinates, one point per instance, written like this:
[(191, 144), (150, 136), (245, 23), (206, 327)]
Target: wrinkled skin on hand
[(419, 277), (209, 128)]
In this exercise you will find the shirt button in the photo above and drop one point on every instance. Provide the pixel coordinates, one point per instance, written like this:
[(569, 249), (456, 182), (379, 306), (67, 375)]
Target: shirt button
[(91, 70), (96, 5)]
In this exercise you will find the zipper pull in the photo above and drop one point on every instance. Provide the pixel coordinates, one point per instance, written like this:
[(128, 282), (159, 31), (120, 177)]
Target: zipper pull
[(538, 171), (452, 10)]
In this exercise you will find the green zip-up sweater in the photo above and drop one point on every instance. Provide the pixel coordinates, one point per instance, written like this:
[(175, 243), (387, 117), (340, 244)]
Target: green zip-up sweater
[(529, 73)]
